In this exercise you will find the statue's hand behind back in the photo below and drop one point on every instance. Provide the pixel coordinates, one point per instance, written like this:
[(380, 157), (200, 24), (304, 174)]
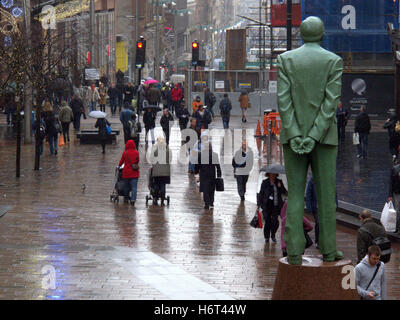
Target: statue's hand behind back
[(308, 145), (296, 145)]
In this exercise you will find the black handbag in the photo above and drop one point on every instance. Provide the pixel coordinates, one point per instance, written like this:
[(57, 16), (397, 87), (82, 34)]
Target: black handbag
[(309, 241), (219, 184)]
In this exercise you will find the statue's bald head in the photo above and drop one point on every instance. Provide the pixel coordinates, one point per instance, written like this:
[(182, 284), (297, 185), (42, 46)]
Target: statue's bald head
[(312, 29)]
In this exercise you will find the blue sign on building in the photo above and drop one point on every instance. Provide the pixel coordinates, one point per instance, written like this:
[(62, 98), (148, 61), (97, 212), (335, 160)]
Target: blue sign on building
[(354, 25)]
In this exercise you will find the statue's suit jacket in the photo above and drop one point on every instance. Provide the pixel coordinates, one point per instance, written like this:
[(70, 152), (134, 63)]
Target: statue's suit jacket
[(309, 89)]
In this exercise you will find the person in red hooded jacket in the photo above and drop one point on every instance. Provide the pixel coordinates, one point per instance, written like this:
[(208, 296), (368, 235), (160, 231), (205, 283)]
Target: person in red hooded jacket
[(130, 157), (176, 97)]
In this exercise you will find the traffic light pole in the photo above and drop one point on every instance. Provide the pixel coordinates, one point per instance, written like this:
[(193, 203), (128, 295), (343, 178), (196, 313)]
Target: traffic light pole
[(138, 94)]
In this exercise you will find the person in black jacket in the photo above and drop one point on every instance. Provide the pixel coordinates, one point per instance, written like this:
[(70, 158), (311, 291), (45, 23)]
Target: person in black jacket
[(271, 202), (149, 120), (394, 192), (165, 122), (102, 124), (225, 107), (78, 109), (129, 93), (203, 118), (242, 164), (342, 117), (207, 166), (53, 128), (113, 94), (362, 127), (394, 137), (183, 115), (209, 100)]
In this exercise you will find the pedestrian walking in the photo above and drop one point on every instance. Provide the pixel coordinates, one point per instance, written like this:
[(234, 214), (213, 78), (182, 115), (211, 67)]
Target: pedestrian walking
[(208, 168), (307, 227), (342, 118), (225, 107), (362, 127), (166, 95), (103, 97), (130, 173), (153, 95), (183, 115), (370, 276), (113, 95), (53, 128), (166, 123), (394, 192), (66, 116), (102, 124), (126, 116), (120, 87), (149, 119), (196, 104), (242, 164), (244, 104), (129, 93), (176, 96), (312, 207), (370, 229), (394, 137), (161, 157), (209, 100), (78, 109), (93, 97), (192, 134), (270, 201), (203, 118)]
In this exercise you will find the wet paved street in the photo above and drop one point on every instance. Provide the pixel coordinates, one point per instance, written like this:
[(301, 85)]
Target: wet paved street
[(102, 250)]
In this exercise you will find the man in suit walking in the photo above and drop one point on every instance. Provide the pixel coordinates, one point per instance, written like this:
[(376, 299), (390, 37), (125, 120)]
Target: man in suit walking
[(309, 88)]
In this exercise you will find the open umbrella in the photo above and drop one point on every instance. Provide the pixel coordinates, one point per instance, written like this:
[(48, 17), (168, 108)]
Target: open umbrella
[(97, 114), (274, 168), (150, 81)]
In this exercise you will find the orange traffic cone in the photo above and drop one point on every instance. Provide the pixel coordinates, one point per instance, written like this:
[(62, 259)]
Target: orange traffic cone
[(61, 142), (258, 134)]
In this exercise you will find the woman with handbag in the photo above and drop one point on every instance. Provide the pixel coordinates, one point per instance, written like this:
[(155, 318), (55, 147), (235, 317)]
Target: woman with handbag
[(130, 172), (271, 202)]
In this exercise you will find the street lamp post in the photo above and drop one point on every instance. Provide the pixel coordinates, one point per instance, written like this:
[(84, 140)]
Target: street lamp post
[(157, 43)]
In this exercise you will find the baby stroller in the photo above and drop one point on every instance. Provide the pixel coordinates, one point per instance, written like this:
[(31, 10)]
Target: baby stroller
[(119, 186), (154, 195)]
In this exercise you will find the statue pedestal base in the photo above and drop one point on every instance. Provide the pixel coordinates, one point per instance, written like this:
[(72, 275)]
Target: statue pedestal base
[(315, 279)]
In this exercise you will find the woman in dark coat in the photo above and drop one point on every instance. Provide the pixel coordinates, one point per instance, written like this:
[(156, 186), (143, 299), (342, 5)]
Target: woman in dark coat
[(208, 166), (53, 127), (102, 124), (271, 202)]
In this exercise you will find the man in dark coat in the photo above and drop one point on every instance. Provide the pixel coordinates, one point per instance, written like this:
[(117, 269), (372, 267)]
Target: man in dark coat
[(113, 94), (242, 164), (153, 95), (209, 100), (166, 123), (183, 115), (342, 117), (362, 127), (208, 165), (394, 137), (149, 120), (126, 116), (369, 230), (120, 88), (225, 107), (129, 93), (77, 109), (271, 202)]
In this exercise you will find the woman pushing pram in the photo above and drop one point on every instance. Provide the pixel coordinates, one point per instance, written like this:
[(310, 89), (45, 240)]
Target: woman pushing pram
[(160, 173)]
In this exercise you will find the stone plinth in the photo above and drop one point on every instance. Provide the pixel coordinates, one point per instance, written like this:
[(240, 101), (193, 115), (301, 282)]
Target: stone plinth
[(314, 279)]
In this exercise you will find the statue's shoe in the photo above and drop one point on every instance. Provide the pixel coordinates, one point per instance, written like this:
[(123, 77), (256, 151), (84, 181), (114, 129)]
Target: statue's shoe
[(335, 256), (296, 259)]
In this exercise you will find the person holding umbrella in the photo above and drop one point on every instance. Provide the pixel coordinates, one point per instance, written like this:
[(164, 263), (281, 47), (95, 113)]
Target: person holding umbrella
[(101, 124), (270, 200)]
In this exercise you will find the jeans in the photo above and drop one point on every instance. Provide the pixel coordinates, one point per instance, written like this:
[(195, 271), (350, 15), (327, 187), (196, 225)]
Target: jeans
[(271, 222), (92, 106), (362, 147), (113, 105), (77, 121), (152, 135), (225, 122), (53, 142), (241, 184), (132, 183)]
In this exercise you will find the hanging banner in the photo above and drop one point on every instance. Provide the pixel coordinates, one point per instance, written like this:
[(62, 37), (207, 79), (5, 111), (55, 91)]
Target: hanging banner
[(354, 25)]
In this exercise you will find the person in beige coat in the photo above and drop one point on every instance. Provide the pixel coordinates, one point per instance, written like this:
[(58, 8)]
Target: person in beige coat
[(244, 104), (103, 97), (92, 97), (65, 116)]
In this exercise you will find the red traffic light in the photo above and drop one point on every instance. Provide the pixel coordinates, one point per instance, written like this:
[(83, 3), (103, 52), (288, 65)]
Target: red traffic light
[(195, 45), (140, 45)]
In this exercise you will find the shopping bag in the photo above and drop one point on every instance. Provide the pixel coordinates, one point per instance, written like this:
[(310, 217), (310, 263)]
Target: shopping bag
[(219, 184), (356, 138), (61, 141), (256, 222), (388, 217)]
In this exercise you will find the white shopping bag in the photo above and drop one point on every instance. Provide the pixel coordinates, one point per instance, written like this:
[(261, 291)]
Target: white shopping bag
[(388, 217), (356, 138)]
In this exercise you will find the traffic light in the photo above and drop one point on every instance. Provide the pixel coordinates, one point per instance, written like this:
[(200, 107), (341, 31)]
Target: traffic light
[(140, 53), (195, 52)]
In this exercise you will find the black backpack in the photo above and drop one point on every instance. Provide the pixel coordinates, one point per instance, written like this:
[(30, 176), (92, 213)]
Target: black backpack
[(383, 243)]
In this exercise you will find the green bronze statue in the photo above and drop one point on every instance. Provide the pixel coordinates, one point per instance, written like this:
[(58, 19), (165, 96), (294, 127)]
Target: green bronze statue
[(309, 88)]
